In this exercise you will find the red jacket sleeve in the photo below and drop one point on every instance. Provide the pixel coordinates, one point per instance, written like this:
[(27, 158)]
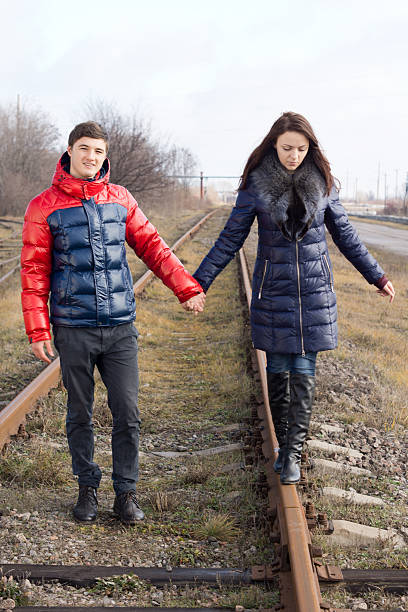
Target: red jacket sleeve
[(144, 239), (36, 264)]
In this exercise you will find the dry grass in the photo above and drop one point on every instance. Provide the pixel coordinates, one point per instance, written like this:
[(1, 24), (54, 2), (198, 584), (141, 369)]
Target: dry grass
[(35, 465), (49, 415), (170, 228), (187, 373), (374, 332), (217, 525), (165, 501), (340, 598), (197, 472)]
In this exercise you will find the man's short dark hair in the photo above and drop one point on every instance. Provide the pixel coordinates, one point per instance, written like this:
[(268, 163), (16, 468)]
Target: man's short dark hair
[(91, 129)]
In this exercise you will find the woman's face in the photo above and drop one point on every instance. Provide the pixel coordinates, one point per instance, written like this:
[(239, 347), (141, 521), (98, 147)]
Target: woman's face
[(291, 148)]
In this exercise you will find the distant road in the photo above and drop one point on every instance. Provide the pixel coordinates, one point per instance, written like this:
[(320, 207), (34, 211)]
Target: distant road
[(390, 238)]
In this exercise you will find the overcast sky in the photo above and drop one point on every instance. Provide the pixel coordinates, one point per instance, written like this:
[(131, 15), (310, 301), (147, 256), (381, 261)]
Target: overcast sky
[(214, 75)]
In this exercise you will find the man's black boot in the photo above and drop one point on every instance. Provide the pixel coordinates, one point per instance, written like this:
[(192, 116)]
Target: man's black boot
[(279, 398), (302, 389), (127, 508), (86, 508)]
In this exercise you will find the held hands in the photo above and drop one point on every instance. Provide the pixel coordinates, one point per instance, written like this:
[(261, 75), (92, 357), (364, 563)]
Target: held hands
[(387, 290), (39, 352), (195, 304)]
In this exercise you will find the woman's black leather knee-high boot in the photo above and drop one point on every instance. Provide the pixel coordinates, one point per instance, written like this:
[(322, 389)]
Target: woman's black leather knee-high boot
[(302, 389), (278, 392)]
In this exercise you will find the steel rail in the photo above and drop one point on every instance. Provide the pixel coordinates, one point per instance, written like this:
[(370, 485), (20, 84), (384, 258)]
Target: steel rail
[(12, 416), (306, 589), (3, 220), (6, 261), (6, 276)]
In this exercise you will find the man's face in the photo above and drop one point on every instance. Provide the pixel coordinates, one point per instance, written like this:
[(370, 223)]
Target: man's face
[(87, 156)]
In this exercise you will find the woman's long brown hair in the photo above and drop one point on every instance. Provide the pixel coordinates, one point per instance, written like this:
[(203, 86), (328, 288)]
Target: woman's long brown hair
[(289, 122)]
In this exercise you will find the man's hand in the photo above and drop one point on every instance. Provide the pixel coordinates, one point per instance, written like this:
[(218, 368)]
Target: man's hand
[(195, 304), (39, 352)]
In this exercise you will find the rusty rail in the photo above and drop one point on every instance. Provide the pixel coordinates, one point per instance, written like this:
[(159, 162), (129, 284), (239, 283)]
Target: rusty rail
[(6, 276), (300, 590), (12, 416), (3, 263)]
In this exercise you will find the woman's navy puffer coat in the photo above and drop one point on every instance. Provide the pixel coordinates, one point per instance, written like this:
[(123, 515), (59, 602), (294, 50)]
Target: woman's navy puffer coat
[(293, 306)]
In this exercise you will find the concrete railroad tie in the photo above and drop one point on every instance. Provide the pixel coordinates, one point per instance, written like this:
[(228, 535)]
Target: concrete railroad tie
[(333, 448), (353, 497)]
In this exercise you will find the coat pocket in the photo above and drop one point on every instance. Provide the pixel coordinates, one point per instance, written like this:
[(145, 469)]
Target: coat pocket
[(68, 291), (328, 271), (265, 268)]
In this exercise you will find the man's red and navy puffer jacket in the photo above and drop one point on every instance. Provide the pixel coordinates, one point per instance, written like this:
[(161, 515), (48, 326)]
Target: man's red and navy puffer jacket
[(74, 247)]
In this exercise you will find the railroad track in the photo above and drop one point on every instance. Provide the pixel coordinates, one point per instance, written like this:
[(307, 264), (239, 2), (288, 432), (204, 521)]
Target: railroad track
[(296, 566), (9, 247)]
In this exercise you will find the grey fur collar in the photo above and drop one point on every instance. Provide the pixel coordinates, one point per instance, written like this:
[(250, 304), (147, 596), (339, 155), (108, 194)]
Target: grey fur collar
[(277, 188)]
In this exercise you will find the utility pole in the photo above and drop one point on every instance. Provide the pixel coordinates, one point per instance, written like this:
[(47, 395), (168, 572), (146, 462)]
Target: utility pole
[(201, 185), (18, 118), (201, 177), (378, 182), (385, 190)]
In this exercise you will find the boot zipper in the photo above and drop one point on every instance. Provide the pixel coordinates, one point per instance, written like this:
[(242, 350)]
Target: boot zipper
[(300, 298), (329, 272), (263, 279)]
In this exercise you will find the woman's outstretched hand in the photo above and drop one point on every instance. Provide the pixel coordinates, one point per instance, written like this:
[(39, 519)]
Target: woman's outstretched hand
[(388, 289), (195, 304)]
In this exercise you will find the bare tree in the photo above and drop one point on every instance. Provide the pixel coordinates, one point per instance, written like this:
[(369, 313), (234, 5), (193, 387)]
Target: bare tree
[(138, 163), (181, 163), (28, 155)]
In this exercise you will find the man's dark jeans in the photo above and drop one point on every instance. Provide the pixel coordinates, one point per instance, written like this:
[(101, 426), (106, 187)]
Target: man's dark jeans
[(113, 350)]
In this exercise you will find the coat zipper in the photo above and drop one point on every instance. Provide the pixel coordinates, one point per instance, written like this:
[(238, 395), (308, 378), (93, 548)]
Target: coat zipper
[(263, 279), (300, 298), (329, 271)]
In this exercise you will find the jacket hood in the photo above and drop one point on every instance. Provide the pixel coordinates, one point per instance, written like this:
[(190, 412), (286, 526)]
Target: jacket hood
[(277, 187), (79, 188)]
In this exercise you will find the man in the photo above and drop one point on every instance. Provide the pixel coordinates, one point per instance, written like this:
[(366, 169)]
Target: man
[(74, 252)]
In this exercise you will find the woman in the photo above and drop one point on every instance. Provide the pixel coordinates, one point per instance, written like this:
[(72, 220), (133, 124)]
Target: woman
[(287, 184)]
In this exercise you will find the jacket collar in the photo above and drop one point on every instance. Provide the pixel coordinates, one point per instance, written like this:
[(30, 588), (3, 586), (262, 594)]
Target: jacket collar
[(79, 188), (277, 187)]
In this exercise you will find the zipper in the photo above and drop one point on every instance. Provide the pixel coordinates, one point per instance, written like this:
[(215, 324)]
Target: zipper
[(68, 288), (263, 279), (329, 271), (300, 298)]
